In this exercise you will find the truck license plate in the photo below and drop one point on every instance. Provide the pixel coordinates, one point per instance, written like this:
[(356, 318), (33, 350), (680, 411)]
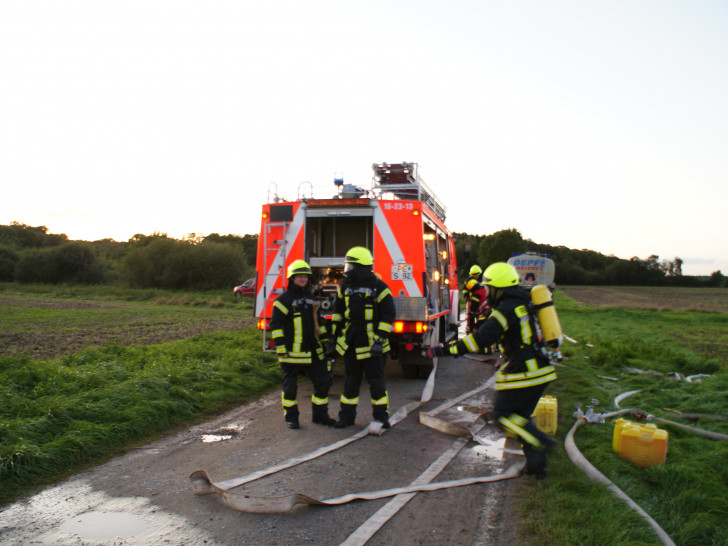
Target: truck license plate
[(402, 272)]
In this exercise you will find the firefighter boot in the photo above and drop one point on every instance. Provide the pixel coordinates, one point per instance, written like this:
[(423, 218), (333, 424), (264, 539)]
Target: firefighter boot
[(381, 415), (535, 462), (380, 410), (536, 458), (347, 415), (320, 414), (291, 416)]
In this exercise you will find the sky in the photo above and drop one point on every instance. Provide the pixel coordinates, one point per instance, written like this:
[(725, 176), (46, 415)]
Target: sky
[(599, 125)]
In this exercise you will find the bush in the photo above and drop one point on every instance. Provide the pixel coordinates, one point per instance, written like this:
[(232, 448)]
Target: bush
[(73, 262), (8, 261), (169, 263)]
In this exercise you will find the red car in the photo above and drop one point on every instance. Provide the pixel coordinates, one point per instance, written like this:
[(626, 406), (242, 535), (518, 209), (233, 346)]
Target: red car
[(245, 290)]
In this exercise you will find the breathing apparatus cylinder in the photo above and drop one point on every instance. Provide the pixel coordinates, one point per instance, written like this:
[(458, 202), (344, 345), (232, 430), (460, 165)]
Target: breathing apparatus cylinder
[(547, 317)]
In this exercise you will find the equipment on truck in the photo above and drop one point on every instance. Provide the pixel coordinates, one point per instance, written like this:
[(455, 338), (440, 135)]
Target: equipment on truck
[(401, 221)]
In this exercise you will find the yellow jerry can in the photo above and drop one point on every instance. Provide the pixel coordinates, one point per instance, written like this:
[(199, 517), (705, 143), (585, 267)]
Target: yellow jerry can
[(642, 444)]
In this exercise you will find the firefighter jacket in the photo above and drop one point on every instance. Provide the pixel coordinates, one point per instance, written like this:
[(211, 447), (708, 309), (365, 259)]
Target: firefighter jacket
[(293, 327), (363, 315), (513, 327), (476, 296)]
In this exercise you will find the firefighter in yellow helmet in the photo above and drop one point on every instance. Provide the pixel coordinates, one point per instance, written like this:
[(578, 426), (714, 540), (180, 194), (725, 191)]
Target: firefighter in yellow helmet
[(298, 340), (476, 299), (362, 321), (521, 381)]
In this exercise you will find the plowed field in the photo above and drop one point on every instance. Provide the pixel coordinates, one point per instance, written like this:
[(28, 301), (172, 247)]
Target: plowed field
[(651, 297)]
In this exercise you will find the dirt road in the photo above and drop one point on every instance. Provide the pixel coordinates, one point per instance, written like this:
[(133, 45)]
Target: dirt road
[(145, 497)]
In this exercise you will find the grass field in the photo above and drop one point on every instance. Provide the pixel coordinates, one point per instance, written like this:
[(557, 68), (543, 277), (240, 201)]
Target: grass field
[(84, 376), (688, 495), (86, 373)]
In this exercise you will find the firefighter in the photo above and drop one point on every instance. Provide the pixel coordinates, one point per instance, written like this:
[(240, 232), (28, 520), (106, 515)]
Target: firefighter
[(476, 299), (521, 381), (475, 274), (297, 337), (362, 320)]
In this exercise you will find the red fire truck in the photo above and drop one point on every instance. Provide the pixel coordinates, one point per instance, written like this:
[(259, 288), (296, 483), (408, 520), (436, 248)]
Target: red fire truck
[(401, 221)]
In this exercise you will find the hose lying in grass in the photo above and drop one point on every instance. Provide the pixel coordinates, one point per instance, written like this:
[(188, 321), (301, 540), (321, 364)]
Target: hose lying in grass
[(707, 433), (697, 416), (593, 474)]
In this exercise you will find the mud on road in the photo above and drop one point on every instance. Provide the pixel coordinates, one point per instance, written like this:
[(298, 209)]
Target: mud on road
[(145, 497)]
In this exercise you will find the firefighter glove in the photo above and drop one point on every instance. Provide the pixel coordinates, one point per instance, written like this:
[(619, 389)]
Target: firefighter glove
[(443, 350), (281, 351), (377, 350), (330, 347), (437, 350)]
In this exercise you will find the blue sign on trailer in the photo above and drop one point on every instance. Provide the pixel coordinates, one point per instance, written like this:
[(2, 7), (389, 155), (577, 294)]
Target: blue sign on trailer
[(534, 269)]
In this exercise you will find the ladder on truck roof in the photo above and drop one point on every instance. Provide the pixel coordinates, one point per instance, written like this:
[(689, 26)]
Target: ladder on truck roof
[(276, 247), (404, 182)]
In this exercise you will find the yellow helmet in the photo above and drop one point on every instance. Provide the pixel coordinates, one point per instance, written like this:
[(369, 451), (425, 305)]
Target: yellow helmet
[(470, 284), (475, 271), (501, 275), (298, 267), (359, 255)]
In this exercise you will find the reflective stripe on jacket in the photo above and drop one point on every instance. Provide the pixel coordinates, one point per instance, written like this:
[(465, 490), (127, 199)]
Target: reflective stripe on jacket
[(293, 327), (363, 312), (514, 329)]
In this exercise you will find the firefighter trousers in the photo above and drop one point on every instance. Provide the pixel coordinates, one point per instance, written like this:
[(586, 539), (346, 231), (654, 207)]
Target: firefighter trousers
[(513, 410), (320, 377), (373, 370)]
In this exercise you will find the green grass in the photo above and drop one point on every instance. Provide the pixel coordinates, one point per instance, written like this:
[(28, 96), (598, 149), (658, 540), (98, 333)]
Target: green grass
[(60, 414), (688, 495), (116, 293)]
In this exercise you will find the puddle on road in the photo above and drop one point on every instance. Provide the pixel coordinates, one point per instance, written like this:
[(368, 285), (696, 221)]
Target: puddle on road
[(224, 433), (105, 525), (210, 438), (74, 513)]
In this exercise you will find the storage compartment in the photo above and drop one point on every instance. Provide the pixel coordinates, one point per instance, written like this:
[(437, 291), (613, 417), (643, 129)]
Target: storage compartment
[(333, 236)]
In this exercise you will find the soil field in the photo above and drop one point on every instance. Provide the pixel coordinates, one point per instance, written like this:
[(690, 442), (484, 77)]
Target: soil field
[(44, 328), (650, 297), (145, 496)]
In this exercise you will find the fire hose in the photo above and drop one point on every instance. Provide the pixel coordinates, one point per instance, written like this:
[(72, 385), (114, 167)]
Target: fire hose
[(593, 474), (202, 484)]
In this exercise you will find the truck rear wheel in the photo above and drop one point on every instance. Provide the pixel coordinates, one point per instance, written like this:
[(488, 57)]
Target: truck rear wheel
[(414, 365), (410, 371)]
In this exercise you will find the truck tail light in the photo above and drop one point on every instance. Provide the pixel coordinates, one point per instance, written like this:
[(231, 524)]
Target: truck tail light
[(402, 327)]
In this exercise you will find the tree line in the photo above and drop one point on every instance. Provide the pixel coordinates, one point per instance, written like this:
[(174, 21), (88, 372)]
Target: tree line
[(31, 254), (579, 267)]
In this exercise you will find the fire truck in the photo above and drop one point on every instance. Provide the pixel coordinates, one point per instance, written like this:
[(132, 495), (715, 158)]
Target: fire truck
[(401, 221)]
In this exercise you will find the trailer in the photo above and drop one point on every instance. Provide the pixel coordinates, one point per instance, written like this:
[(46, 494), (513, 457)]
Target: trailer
[(401, 221), (534, 269)]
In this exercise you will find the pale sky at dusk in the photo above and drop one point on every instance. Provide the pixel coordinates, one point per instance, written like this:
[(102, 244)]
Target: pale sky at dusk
[(595, 125)]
